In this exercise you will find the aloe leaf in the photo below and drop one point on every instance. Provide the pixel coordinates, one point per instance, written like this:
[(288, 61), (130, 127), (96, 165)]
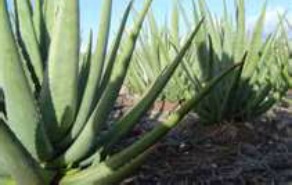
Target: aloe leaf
[(115, 49), (25, 122), (263, 107), (29, 38), (266, 55), (153, 46), (146, 61), (77, 127), (142, 67), (225, 11), (38, 20), (150, 48), (180, 81), (210, 73), (84, 69), (3, 169), (28, 68), (212, 59), (239, 45), (86, 141), (120, 159), (95, 73), (194, 79), (41, 30), (161, 130), (59, 94), (260, 96), (18, 162), (176, 85), (202, 50), (45, 24), (232, 89), (107, 176), (125, 124), (2, 103), (175, 23), (195, 11), (136, 83), (154, 30), (7, 180), (50, 13), (212, 30), (252, 59), (228, 35)]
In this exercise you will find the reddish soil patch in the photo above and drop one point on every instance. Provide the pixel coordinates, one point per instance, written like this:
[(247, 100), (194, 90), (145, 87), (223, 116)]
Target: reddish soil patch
[(159, 106)]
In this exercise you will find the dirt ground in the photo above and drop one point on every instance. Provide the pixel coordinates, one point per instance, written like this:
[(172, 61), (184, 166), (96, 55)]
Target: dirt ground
[(257, 153)]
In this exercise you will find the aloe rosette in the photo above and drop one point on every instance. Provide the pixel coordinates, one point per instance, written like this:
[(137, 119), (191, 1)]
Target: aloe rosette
[(262, 81), (221, 42)]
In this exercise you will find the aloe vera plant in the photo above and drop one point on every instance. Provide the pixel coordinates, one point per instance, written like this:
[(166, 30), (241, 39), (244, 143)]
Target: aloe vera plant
[(263, 79), (163, 43), (55, 109), (221, 43)]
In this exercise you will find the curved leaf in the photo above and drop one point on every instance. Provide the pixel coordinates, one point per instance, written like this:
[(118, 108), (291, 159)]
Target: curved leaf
[(107, 176), (29, 40), (126, 123), (17, 161), (22, 111), (96, 70), (86, 141), (59, 94)]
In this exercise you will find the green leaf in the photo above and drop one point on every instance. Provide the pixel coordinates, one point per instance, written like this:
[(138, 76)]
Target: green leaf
[(59, 94), (40, 29), (239, 45), (175, 23), (16, 160), (161, 130), (7, 180), (22, 111), (256, 41), (126, 123), (29, 40), (114, 51), (38, 20), (2, 103), (107, 176), (96, 69), (50, 14), (231, 91), (85, 143), (84, 69), (135, 150), (77, 127)]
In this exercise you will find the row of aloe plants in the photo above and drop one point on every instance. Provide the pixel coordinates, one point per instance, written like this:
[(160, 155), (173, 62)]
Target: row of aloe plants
[(156, 46), (55, 109), (246, 94)]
